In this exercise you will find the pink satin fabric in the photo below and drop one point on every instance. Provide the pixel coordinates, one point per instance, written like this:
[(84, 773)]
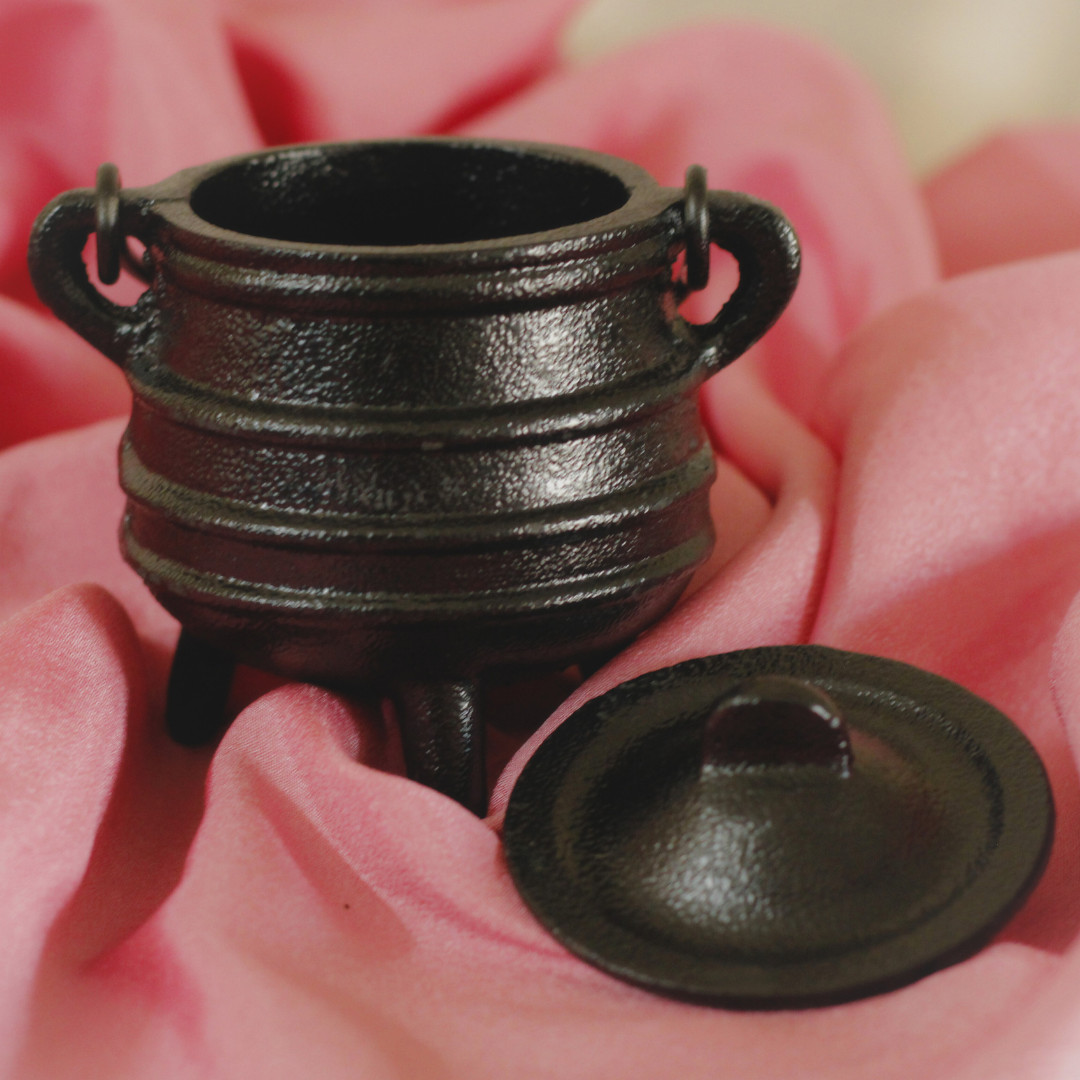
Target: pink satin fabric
[(899, 473)]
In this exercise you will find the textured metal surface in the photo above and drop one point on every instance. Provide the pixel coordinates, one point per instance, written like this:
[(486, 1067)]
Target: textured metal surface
[(415, 410), (712, 832)]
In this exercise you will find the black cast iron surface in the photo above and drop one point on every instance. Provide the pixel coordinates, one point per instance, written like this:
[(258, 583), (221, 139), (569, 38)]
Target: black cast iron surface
[(779, 827), (414, 413)]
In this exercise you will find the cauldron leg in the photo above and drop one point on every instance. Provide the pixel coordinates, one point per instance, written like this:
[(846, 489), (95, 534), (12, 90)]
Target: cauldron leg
[(199, 685), (442, 734)]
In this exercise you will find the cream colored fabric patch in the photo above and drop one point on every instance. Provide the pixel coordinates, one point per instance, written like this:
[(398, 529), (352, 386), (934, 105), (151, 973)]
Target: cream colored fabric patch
[(951, 70)]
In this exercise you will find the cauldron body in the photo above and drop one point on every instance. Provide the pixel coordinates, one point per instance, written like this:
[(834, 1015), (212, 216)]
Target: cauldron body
[(411, 413)]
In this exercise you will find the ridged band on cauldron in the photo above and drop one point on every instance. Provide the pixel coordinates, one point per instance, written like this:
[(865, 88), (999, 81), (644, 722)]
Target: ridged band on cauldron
[(458, 360), (289, 526), (375, 650), (164, 392), (510, 478), (169, 576), (563, 275), (419, 566)]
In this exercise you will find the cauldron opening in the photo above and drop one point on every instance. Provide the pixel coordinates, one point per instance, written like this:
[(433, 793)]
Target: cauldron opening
[(398, 194)]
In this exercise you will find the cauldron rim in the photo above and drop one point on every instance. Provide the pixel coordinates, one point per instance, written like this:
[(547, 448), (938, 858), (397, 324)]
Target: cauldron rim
[(639, 219)]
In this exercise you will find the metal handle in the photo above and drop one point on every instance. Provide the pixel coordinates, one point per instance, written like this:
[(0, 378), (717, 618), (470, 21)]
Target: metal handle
[(59, 274), (767, 251)]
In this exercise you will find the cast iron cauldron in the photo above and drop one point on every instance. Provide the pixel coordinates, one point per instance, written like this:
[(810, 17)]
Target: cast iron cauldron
[(412, 413)]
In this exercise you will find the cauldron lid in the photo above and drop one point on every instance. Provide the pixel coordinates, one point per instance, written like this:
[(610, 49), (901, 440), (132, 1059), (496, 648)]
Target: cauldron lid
[(779, 827)]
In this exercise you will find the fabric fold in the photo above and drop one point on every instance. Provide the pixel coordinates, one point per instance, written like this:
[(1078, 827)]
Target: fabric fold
[(72, 680)]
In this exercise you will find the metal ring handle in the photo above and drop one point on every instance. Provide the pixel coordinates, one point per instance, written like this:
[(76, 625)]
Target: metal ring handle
[(767, 251), (107, 223), (696, 224), (113, 250)]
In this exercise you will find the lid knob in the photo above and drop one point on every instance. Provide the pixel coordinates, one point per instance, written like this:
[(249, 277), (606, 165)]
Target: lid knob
[(772, 720)]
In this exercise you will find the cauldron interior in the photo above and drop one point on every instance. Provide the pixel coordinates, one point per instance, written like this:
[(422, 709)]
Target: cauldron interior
[(398, 194)]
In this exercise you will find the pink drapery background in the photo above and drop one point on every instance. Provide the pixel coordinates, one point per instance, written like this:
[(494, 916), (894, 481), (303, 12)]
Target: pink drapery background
[(899, 473)]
